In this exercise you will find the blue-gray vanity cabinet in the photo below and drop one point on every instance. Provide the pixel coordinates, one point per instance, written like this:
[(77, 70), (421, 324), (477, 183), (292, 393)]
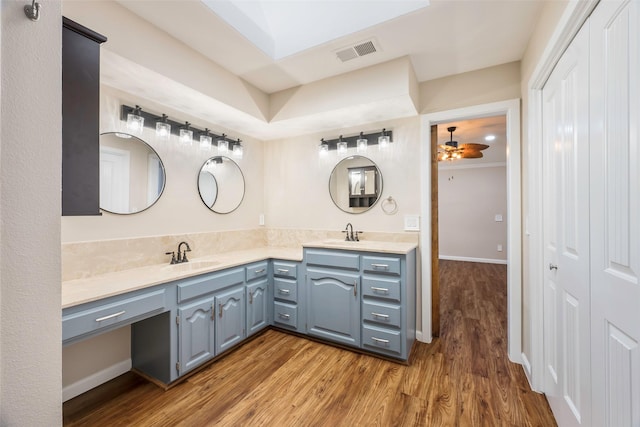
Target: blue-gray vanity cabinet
[(288, 306), (197, 333), (257, 306), (333, 289), (230, 320)]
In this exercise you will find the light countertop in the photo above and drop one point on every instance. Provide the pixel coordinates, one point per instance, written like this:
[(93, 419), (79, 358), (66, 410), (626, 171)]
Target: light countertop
[(80, 291)]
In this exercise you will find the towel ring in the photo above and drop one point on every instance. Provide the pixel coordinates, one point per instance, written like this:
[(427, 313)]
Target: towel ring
[(389, 206)]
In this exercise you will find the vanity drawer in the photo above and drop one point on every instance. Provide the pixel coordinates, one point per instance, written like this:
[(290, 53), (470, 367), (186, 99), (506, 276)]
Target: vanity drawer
[(382, 340), (381, 288), (206, 284), (381, 313), (256, 271), (285, 289), (283, 269), (333, 259), (387, 265), (113, 313), (285, 314)]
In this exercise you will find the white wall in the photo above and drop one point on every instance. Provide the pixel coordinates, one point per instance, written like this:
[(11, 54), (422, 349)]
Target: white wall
[(468, 200), (30, 176)]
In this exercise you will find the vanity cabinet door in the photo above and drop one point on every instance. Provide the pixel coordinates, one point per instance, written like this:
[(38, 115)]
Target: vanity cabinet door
[(257, 307), (196, 334), (334, 306), (230, 318)]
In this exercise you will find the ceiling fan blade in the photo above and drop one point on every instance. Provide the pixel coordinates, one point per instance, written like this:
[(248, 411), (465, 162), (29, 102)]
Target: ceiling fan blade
[(474, 146), (471, 154)]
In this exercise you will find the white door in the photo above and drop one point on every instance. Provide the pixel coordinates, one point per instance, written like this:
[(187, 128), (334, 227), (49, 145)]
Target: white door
[(566, 235), (615, 212), (114, 179)]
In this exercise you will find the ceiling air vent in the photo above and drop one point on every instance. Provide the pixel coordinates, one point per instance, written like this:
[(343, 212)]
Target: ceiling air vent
[(356, 51)]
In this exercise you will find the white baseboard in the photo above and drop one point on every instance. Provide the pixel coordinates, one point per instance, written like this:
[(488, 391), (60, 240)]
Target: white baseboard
[(421, 338), (469, 259), (94, 380), (527, 369)]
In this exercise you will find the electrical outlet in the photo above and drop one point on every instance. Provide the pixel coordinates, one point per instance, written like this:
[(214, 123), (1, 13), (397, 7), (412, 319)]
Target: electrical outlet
[(498, 218), (261, 220), (499, 248)]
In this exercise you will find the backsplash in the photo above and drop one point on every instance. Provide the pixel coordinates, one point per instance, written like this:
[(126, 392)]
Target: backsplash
[(86, 259)]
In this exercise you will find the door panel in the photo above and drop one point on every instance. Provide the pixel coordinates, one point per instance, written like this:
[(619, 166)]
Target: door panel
[(196, 334), (257, 308), (566, 238), (615, 208), (230, 320)]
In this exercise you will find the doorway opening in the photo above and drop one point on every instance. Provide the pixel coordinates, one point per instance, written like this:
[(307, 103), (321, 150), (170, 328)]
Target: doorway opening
[(510, 110)]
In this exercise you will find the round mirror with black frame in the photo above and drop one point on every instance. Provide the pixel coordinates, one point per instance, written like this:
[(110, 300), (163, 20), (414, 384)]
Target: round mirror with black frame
[(221, 184), (132, 176), (355, 184)]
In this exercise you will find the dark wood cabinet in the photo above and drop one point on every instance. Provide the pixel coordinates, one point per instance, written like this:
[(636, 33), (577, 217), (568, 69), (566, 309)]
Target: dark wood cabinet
[(80, 119)]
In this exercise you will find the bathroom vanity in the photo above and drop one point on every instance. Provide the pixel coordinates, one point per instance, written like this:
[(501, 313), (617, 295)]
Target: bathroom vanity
[(355, 294)]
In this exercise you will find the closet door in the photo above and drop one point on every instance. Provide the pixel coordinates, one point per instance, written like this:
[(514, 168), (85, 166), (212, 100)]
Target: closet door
[(566, 235), (615, 212)]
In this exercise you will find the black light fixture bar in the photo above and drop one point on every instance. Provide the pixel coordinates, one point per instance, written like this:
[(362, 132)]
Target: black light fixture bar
[(372, 139), (150, 121)]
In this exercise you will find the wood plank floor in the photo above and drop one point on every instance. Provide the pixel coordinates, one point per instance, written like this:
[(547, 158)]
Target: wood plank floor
[(463, 378)]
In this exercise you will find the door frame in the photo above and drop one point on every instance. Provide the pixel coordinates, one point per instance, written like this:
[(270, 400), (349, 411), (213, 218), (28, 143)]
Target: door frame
[(572, 19), (511, 109)]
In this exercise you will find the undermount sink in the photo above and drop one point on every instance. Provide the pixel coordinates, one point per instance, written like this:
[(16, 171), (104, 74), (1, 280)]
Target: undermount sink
[(191, 265)]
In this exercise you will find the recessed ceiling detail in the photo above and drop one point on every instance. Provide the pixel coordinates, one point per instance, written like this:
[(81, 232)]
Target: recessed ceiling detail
[(281, 28)]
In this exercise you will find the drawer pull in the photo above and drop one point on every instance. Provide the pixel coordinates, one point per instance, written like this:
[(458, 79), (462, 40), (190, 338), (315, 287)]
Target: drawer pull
[(283, 270), (384, 316), (381, 266), (111, 316), (250, 297), (262, 270), (355, 288), (380, 340), (375, 289), (284, 316), (284, 291), (213, 312), (220, 310)]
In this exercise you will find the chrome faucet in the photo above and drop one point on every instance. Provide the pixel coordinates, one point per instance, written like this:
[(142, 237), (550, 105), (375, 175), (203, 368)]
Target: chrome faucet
[(183, 258)]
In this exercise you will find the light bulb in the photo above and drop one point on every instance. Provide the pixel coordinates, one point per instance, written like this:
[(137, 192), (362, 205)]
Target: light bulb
[(238, 150), (361, 144), (205, 141), (223, 144), (135, 122)]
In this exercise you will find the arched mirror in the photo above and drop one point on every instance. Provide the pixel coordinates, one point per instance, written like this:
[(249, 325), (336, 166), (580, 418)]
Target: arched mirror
[(355, 184), (132, 176), (221, 184)]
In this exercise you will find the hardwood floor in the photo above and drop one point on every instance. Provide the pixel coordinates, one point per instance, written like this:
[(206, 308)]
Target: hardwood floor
[(463, 378)]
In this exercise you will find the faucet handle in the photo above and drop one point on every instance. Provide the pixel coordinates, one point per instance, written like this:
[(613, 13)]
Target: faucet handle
[(347, 238), (356, 238), (184, 255), (173, 257)]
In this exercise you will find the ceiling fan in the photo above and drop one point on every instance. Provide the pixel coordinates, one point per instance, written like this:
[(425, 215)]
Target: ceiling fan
[(451, 150)]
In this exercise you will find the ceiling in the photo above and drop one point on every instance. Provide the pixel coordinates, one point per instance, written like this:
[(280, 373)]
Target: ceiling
[(445, 38), (475, 131)]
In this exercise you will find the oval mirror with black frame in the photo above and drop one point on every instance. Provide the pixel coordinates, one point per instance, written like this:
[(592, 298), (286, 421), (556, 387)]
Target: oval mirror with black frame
[(132, 176), (221, 184), (355, 184)]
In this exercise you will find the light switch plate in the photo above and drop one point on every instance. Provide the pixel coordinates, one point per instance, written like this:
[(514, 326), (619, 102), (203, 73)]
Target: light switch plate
[(498, 217), (412, 223)]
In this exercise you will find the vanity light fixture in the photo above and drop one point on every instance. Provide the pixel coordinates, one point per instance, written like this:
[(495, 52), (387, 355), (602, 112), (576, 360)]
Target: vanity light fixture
[(163, 128), (384, 140), (341, 146), (223, 144), (186, 135), (135, 121), (361, 143), (323, 149), (205, 140), (238, 149)]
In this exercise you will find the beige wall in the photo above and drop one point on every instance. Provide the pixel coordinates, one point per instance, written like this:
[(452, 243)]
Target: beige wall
[(549, 18), (30, 173), (468, 200), (492, 84), (180, 209)]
